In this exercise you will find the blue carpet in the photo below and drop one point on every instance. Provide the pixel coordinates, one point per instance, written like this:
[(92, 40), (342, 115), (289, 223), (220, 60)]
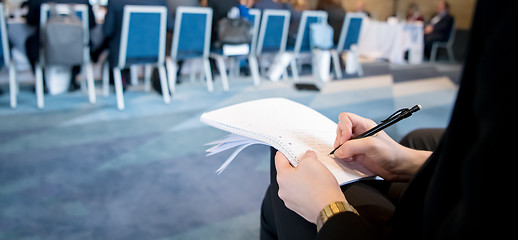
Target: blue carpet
[(80, 171)]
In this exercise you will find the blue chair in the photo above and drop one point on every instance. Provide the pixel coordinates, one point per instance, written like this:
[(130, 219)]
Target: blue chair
[(5, 58), (220, 55), (302, 43), (82, 13), (191, 39), (273, 33), (143, 38), (349, 36)]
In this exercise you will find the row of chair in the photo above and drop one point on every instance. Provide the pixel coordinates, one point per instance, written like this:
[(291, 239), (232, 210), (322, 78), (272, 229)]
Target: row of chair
[(143, 43)]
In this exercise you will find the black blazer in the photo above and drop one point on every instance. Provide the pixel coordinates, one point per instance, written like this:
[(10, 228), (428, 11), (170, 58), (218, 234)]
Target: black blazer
[(464, 190), (113, 24), (442, 29)]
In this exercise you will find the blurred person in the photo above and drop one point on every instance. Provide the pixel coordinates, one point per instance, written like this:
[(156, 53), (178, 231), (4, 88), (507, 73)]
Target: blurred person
[(300, 5), (360, 7), (172, 5), (32, 44), (413, 14), (219, 11), (335, 16), (439, 28), (271, 4), (244, 8)]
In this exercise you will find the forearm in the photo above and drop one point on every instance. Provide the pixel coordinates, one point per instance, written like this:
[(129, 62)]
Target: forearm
[(410, 161)]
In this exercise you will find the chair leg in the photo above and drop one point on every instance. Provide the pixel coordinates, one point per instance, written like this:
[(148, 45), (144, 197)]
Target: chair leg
[(134, 75), (231, 67), (192, 76), (90, 82), (163, 84), (202, 76), (39, 86), (450, 53), (294, 70), (12, 85), (117, 78), (237, 69), (254, 69), (148, 71), (222, 71), (208, 74), (106, 79), (172, 69), (433, 53), (359, 68), (336, 64)]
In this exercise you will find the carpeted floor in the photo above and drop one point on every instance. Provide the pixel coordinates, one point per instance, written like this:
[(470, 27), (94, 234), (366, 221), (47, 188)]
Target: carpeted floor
[(80, 171)]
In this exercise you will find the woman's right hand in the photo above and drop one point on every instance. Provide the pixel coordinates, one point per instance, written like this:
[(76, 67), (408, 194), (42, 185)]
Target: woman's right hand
[(379, 153)]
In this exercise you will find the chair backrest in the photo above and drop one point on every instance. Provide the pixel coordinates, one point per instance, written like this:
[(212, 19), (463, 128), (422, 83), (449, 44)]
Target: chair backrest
[(273, 33), (81, 11), (350, 32), (5, 56), (255, 19), (143, 35), (192, 32), (302, 43)]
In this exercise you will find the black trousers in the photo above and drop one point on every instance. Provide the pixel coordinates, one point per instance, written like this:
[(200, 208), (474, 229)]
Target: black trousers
[(375, 200)]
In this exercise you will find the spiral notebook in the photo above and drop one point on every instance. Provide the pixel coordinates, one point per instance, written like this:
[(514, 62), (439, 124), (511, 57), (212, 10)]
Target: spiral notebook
[(288, 126)]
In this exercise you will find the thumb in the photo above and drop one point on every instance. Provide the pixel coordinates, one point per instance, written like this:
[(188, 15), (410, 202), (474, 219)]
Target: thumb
[(354, 147), (309, 154), (281, 162)]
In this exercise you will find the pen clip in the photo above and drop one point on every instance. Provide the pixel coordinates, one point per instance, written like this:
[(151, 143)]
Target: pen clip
[(396, 114)]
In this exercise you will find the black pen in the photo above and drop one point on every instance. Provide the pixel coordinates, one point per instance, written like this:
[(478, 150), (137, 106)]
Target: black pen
[(394, 118)]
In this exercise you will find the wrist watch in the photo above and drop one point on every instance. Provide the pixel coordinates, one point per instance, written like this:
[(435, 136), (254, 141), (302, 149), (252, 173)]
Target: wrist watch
[(333, 209)]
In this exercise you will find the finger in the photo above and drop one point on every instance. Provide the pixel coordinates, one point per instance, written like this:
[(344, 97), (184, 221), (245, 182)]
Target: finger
[(354, 147), (360, 124), (338, 137), (281, 162), (345, 126), (309, 154), (307, 157)]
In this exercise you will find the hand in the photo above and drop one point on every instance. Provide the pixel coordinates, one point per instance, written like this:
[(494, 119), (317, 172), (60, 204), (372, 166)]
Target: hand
[(350, 125), (309, 187), (380, 153), (428, 29)]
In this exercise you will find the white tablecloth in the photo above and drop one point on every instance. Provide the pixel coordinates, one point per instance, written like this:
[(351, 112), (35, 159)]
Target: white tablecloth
[(391, 40)]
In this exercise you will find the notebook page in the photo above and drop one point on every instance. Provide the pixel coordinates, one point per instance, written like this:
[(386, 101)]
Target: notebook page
[(290, 127)]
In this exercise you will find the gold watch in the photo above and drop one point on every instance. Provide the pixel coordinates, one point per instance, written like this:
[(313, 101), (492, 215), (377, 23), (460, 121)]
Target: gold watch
[(333, 209)]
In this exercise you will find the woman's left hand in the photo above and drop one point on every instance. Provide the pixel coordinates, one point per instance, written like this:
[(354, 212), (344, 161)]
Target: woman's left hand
[(307, 188)]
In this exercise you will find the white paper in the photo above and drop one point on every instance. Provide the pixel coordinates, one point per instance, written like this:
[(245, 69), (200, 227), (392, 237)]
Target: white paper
[(290, 127)]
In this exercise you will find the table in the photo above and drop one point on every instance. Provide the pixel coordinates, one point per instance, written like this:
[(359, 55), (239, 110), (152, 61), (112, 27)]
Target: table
[(390, 40)]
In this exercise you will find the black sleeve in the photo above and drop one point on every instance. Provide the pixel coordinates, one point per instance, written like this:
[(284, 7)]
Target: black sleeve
[(347, 225), (91, 17)]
